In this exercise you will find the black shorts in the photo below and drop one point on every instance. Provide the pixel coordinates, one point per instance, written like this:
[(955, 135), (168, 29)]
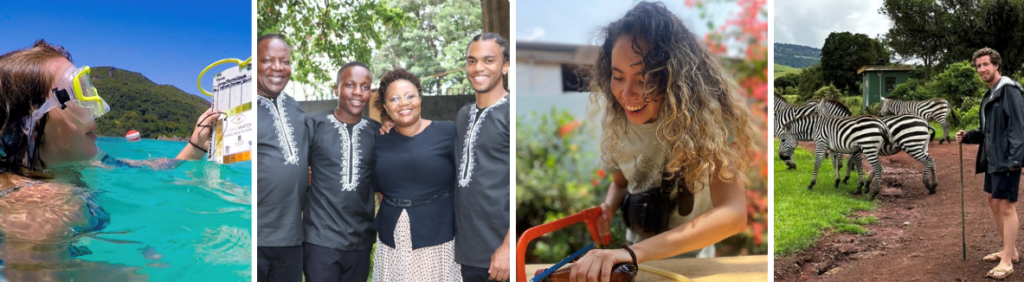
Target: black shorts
[(1003, 185)]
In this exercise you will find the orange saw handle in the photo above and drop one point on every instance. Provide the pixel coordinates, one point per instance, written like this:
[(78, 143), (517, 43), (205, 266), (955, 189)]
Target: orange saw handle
[(589, 216)]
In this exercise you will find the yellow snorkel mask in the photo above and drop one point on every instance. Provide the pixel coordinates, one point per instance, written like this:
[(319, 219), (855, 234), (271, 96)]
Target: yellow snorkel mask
[(75, 94)]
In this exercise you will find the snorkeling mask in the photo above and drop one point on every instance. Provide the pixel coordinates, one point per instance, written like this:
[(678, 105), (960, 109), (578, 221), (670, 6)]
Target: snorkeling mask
[(76, 94)]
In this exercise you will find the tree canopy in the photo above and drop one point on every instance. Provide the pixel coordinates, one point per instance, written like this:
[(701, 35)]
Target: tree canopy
[(844, 53)]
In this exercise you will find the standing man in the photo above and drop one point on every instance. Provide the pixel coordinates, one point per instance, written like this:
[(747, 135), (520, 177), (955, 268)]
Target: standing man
[(281, 165), (339, 217), (1002, 149), (482, 192)]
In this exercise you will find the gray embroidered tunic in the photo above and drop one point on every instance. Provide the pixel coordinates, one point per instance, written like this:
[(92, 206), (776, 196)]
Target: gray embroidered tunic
[(483, 191), (339, 214), (282, 171)]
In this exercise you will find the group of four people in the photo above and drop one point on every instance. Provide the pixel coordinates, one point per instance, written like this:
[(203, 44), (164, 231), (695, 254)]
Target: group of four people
[(443, 187)]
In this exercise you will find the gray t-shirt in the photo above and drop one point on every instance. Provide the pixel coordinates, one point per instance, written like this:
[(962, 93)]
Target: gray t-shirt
[(642, 161), (482, 192), (282, 171), (339, 214)]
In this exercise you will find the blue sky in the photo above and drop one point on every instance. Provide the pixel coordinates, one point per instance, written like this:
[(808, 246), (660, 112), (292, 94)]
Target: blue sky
[(169, 42), (576, 21)]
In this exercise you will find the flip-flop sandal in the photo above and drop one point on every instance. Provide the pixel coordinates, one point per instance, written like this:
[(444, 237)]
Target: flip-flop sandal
[(995, 257), (997, 273)]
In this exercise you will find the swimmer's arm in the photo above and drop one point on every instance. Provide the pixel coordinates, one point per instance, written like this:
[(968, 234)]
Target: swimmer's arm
[(726, 218), (201, 135), (158, 164)]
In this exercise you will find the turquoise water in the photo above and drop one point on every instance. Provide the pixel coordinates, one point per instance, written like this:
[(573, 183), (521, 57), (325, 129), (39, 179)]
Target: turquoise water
[(196, 219)]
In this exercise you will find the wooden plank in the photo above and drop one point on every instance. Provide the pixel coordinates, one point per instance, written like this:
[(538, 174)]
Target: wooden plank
[(742, 268)]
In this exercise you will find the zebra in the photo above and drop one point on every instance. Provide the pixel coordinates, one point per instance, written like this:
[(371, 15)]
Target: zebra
[(784, 112), (848, 135), (909, 133), (936, 109)]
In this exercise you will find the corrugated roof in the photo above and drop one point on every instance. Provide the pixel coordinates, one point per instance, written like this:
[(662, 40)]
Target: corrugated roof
[(885, 68)]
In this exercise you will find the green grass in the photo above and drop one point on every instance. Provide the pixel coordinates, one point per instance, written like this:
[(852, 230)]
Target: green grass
[(781, 70), (801, 215)]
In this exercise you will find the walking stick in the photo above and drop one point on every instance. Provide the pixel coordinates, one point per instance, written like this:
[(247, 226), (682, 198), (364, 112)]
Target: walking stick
[(963, 229)]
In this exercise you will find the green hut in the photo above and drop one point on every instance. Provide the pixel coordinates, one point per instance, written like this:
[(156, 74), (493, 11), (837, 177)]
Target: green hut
[(879, 81)]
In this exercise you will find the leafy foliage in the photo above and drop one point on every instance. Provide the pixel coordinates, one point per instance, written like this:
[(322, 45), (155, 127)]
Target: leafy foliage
[(555, 179), (958, 81), (809, 81), (138, 103), (844, 53), (913, 89), (944, 32), (434, 46), (324, 35), (829, 91)]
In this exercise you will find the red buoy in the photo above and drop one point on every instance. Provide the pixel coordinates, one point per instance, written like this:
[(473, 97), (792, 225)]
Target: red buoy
[(132, 135)]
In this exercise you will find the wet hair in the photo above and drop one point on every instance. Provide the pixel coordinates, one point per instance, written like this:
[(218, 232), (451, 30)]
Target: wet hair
[(385, 81), (271, 36), (992, 54), (697, 97), (352, 64), (497, 39), (25, 84)]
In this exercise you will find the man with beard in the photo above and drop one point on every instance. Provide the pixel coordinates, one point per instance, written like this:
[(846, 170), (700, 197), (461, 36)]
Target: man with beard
[(1002, 149), (339, 216), (482, 192), (281, 165)]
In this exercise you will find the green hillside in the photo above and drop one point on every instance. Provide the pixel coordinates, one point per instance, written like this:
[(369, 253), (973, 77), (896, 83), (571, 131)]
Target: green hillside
[(140, 104), (781, 70), (797, 56)]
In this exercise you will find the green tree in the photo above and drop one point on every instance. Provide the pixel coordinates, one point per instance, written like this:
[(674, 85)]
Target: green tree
[(434, 46), (844, 53), (788, 80), (810, 80), (324, 35), (944, 32)]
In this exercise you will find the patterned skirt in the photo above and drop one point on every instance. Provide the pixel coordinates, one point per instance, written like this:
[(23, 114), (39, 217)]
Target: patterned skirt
[(402, 263)]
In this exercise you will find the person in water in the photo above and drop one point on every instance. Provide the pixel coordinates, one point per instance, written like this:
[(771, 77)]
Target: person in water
[(48, 109)]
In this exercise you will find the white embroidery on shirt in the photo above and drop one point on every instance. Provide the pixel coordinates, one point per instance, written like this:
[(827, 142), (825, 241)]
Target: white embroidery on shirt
[(350, 153), (468, 158), (283, 129)]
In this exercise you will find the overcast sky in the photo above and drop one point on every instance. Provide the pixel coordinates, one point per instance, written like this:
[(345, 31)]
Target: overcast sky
[(576, 21), (808, 23)]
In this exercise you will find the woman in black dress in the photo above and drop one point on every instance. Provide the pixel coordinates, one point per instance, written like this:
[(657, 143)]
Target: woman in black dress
[(415, 171)]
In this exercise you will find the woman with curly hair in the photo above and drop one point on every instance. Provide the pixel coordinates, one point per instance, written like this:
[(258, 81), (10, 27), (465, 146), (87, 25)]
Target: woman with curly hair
[(415, 173), (675, 139)]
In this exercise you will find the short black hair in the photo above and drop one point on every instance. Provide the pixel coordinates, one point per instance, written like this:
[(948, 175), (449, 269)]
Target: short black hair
[(492, 36), (272, 36), (390, 77), (353, 64)]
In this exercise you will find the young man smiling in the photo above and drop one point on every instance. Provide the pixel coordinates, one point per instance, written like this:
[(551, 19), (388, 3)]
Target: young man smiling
[(482, 192), (338, 218), (1002, 149)]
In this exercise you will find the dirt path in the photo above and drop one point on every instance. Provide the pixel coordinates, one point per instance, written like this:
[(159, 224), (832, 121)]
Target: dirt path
[(917, 236)]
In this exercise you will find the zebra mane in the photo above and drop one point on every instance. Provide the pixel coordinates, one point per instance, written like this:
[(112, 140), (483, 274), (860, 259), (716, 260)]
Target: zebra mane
[(808, 115), (838, 104)]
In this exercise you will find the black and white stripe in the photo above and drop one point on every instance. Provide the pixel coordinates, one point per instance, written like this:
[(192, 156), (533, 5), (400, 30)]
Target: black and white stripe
[(909, 133), (936, 110), (846, 135)]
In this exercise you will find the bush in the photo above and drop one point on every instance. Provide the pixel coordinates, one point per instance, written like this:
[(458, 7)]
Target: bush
[(855, 103), (913, 89), (829, 91), (958, 81), (968, 119), (792, 99)]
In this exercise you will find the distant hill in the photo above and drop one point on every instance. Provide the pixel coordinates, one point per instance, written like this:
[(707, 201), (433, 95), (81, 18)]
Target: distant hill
[(797, 56), (140, 104), (781, 70)]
